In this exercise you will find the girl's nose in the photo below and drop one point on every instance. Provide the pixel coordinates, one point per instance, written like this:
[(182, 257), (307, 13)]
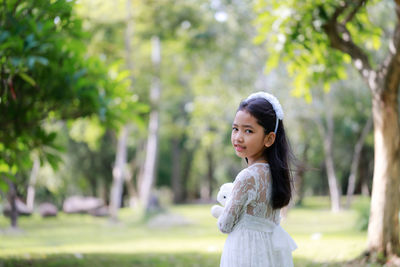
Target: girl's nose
[(239, 137)]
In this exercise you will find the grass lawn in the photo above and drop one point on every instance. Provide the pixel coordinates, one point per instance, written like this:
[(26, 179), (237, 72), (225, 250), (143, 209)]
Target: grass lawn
[(186, 237)]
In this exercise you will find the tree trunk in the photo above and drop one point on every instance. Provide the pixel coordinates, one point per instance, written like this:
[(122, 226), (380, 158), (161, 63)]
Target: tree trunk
[(383, 228), (327, 136), (299, 178), (133, 172), (146, 182), (177, 171), (133, 196), (186, 171), (119, 173), (364, 177), (148, 178), (30, 197), (207, 188), (356, 160), (332, 181)]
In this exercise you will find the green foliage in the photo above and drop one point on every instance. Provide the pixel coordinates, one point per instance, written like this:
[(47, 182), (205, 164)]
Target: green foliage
[(43, 75), (294, 33), (46, 75)]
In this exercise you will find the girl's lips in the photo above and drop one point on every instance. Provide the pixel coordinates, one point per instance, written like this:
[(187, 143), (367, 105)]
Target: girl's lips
[(239, 148)]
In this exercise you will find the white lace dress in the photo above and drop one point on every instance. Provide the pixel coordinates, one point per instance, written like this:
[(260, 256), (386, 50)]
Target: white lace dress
[(255, 237)]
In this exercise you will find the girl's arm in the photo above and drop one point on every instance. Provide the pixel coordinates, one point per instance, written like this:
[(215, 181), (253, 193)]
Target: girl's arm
[(242, 193)]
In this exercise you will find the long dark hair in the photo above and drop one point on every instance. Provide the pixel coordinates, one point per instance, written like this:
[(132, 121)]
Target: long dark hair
[(279, 155)]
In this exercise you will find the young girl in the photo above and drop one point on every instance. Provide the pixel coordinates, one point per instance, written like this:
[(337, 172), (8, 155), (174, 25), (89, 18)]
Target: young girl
[(251, 215)]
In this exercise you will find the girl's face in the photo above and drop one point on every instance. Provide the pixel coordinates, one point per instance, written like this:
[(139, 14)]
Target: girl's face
[(248, 137)]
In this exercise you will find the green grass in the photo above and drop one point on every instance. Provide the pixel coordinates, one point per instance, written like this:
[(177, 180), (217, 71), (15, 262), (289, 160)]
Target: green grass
[(324, 238)]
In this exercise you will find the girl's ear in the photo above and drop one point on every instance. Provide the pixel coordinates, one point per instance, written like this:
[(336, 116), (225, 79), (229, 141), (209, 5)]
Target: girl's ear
[(269, 139)]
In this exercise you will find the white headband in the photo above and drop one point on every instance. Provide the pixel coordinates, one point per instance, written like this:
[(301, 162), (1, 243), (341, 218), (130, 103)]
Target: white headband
[(274, 102)]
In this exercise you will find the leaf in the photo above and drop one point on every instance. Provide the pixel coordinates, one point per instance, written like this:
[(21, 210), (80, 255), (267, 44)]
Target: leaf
[(50, 137), (4, 167), (3, 185), (376, 42), (53, 159), (259, 39), (347, 58), (272, 62), (327, 87), (27, 78), (14, 169)]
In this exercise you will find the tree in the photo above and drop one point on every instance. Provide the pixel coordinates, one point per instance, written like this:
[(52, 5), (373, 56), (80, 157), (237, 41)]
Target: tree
[(327, 134), (46, 76), (150, 163), (356, 160), (316, 39)]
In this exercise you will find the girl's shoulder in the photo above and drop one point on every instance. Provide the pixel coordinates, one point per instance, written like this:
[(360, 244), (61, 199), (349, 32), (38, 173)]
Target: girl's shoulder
[(258, 165), (253, 171), (258, 168)]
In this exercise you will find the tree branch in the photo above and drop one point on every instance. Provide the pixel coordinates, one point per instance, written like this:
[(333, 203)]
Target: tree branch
[(339, 10), (354, 11), (340, 39), (390, 68)]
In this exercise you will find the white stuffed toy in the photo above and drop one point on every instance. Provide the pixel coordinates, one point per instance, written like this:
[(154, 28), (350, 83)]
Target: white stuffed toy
[(222, 197)]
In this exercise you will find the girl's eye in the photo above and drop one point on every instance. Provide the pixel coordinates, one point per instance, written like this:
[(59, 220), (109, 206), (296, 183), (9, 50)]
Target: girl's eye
[(249, 131), (234, 129)]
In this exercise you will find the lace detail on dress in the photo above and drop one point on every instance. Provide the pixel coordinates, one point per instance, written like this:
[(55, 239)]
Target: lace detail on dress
[(251, 195)]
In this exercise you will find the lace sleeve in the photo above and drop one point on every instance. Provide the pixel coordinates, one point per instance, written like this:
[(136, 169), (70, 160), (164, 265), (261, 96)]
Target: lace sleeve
[(242, 193)]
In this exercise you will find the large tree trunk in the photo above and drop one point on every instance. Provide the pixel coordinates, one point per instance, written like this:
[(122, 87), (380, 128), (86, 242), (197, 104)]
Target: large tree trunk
[(147, 180), (119, 173), (383, 229), (356, 160), (30, 197)]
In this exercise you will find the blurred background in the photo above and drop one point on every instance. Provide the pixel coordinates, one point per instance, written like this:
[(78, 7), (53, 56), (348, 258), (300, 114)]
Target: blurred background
[(115, 121)]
